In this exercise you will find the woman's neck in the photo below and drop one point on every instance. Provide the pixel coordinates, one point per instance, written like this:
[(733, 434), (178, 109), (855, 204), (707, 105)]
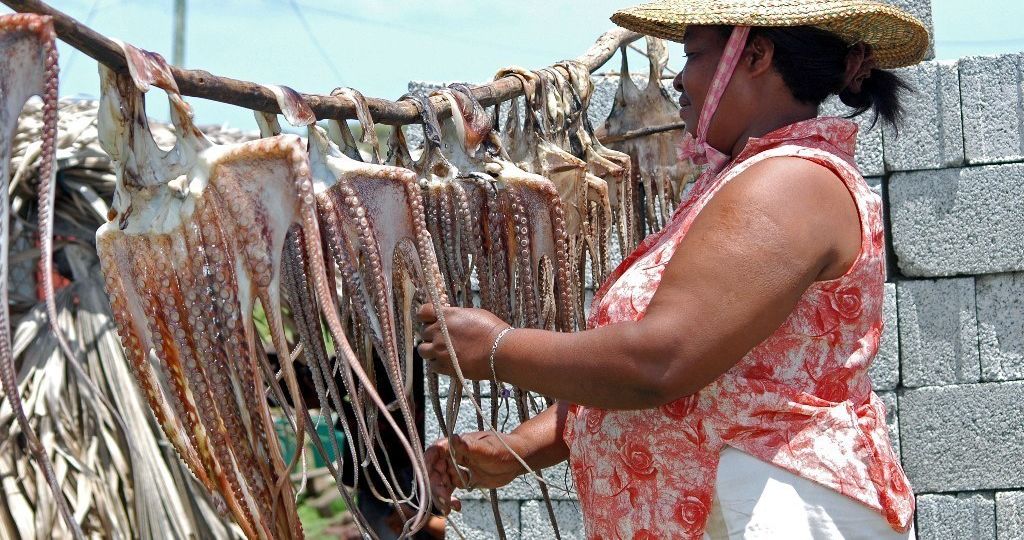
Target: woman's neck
[(773, 120)]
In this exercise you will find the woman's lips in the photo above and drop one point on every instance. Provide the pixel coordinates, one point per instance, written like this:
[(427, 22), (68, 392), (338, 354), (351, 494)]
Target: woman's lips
[(684, 108), (684, 103)]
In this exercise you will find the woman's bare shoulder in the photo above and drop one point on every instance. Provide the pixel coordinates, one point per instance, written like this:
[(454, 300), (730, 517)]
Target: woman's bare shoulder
[(806, 198)]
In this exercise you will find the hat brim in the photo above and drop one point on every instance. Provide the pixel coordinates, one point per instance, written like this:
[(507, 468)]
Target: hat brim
[(897, 38)]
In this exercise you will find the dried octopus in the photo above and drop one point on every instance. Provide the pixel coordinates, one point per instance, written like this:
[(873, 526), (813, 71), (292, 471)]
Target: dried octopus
[(516, 231), (29, 68), (612, 166), (566, 98), (375, 234), (661, 176), (183, 285), (540, 144)]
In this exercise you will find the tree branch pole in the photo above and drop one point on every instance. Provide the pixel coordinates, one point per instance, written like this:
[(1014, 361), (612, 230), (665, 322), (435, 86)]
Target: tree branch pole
[(202, 84), (637, 133)]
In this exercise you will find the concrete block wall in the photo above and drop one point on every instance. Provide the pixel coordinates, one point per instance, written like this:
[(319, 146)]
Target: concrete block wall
[(950, 368)]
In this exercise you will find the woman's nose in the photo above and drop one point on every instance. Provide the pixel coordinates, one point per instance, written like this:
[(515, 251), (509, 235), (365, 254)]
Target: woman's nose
[(677, 82)]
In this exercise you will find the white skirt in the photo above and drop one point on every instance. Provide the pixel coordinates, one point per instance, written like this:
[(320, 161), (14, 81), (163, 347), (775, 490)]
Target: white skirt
[(758, 500)]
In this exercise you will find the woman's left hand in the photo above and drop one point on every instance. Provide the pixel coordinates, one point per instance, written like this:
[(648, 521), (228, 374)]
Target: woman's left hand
[(471, 332)]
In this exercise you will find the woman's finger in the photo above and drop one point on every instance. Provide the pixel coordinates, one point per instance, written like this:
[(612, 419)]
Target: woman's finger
[(442, 480), (426, 350), (426, 314), (430, 332), (459, 446)]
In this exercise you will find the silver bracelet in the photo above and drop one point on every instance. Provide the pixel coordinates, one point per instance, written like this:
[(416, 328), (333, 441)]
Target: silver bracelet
[(494, 349)]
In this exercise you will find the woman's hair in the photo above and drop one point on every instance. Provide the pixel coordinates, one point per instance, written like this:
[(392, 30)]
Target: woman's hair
[(812, 63)]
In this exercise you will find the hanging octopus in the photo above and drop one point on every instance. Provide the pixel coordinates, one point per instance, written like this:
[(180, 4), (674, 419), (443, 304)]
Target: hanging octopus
[(374, 232), (29, 68), (536, 241), (195, 238), (564, 113), (531, 144), (660, 175), (609, 165)]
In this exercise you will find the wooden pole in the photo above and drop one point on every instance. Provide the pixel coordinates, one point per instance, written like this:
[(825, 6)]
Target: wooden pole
[(202, 84), (178, 54), (637, 133)]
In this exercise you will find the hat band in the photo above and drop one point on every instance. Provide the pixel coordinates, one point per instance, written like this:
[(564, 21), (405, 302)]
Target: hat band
[(699, 150)]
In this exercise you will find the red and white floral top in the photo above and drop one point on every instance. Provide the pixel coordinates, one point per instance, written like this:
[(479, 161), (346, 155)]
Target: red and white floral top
[(801, 399)]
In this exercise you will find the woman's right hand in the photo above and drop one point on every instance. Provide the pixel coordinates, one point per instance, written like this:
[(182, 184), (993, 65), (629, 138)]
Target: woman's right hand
[(485, 463)]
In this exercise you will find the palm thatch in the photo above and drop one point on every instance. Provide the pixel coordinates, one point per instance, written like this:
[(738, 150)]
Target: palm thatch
[(112, 460)]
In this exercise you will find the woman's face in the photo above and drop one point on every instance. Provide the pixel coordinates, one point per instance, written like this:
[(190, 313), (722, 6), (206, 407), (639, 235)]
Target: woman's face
[(703, 46)]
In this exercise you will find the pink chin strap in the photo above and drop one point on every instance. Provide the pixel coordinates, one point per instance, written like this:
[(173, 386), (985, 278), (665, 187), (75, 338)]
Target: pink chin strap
[(698, 150)]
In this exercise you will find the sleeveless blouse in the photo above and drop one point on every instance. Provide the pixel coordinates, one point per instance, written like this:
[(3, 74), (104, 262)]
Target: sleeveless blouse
[(801, 399)]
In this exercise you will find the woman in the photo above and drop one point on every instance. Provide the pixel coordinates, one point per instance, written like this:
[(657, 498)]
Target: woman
[(721, 387)]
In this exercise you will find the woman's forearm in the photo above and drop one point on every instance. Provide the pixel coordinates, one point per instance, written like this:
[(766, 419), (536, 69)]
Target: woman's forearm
[(539, 440), (619, 366)]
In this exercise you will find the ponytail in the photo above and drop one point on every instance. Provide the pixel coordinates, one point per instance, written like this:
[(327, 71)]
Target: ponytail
[(881, 92)]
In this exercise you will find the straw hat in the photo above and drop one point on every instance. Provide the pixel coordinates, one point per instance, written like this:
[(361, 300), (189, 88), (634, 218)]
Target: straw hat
[(897, 38)]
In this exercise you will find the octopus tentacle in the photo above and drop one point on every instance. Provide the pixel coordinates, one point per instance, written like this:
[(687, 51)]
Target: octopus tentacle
[(39, 56), (203, 314), (230, 317), (497, 256), (342, 252), (524, 262), (308, 219), (296, 285), (171, 308), (374, 286)]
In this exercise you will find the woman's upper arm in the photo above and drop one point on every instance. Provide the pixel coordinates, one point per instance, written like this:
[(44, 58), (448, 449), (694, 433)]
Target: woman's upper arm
[(748, 257)]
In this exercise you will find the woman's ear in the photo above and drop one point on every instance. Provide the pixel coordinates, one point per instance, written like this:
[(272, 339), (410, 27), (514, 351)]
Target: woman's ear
[(758, 56)]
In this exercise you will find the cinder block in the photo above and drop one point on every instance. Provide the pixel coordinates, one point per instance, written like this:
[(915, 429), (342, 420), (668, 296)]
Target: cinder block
[(875, 183), (1010, 515), (1001, 326), (536, 524), (938, 332), (508, 418), (476, 521), (958, 221), (878, 185), (869, 155), (444, 384), (963, 438), (922, 9), (885, 368), (892, 418), (990, 91), (932, 135), (954, 517), (603, 97)]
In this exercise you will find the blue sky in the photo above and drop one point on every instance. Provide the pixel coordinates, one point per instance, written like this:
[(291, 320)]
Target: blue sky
[(378, 46)]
